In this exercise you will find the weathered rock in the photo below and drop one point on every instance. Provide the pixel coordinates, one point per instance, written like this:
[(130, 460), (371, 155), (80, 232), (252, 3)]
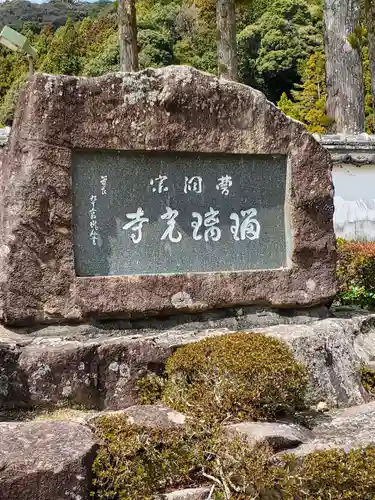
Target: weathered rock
[(98, 366), (94, 374), (170, 109), (322, 406), (364, 342), (61, 373), (188, 494), (327, 349), (121, 363), (160, 417), (98, 373), (151, 416), (280, 436), (349, 428), (13, 382), (45, 460)]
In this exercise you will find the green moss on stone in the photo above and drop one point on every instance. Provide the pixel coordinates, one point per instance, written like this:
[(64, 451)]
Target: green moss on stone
[(138, 463)]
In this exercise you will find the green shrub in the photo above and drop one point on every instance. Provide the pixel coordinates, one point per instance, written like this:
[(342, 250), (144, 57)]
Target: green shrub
[(356, 273), (135, 463), (236, 375), (368, 379), (150, 389), (331, 474), (9, 104)]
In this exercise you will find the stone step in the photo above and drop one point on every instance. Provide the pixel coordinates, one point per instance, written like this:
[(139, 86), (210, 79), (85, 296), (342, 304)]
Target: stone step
[(45, 460), (280, 436)]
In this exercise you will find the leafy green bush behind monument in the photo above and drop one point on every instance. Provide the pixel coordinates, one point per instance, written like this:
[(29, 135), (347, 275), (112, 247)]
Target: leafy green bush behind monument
[(356, 273)]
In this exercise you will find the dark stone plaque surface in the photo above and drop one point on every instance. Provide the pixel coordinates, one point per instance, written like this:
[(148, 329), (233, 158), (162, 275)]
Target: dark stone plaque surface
[(166, 212)]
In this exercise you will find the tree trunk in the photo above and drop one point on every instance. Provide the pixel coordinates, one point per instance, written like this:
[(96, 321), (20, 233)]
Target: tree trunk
[(344, 73), (226, 39), (370, 25), (127, 20)]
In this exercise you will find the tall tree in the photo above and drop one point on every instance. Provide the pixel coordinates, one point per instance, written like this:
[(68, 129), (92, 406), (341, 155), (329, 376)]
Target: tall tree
[(127, 19), (226, 39), (308, 103), (63, 56), (344, 73), (370, 25)]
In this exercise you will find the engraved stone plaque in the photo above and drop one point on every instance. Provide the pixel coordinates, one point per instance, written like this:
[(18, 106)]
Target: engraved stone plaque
[(145, 212), (156, 193)]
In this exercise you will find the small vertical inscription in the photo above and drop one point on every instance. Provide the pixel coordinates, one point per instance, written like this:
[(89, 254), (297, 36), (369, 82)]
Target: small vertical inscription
[(103, 184), (94, 231)]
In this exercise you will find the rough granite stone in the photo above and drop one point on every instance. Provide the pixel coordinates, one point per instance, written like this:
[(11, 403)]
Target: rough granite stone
[(47, 460), (328, 350), (188, 494), (98, 368), (13, 382), (97, 374), (280, 436), (152, 416), (346, 429), (174, 109)]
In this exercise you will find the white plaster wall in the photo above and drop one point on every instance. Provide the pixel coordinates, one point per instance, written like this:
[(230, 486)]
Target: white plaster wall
[(354, 202)]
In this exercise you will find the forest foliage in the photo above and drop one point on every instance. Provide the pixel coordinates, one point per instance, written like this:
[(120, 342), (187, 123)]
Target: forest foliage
[(280, 46)]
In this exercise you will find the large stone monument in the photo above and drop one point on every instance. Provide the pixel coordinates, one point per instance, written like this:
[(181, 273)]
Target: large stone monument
[(156, 193)]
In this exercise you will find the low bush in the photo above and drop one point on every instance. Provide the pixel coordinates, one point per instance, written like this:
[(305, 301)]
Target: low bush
[(136, 463), (356, 273), (368, 379), (331, 474), (150, 389), (236, 375)]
